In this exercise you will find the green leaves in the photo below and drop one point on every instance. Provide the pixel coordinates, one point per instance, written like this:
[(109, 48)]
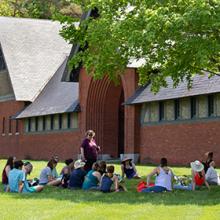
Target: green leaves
[(176, 38), (39, 8)]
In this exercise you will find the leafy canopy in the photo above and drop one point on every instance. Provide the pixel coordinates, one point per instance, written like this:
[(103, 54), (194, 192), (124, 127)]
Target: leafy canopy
[(44, 9), (176, 38)]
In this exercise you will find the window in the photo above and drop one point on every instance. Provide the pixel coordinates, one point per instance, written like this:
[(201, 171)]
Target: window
[(29, 124), (9, 126), (51, 122), (36, 123), (210, 105), (177, 109), (60, 121), (193, 107), (16, 127), (161, 111), (2, 61), (3, 125), (69, 120), (44, 123)]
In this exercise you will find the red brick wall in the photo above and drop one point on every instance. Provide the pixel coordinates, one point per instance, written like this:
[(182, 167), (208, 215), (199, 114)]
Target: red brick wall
[(99, 102), (180, 143), (66, 144), (132, 127), (9, 143)]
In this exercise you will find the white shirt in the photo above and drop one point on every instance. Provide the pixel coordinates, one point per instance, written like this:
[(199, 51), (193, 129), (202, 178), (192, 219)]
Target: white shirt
[(211, 175), (164, 179)]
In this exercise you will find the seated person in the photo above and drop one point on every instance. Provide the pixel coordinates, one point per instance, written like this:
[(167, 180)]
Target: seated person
[(128, 168), (77, 176), (102, 168), (68, 166), (8, 166), (54, 170), (92, 178), (163, 181), (198, 177), (65, 177), (211, 175), (208, 160), (108, 179), (25, 188), (46, 176), (15, 177)]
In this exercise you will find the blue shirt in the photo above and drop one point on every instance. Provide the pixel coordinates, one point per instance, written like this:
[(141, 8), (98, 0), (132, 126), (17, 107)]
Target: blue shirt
[(15, 176), (106, 184), (26, 187), (77, 178), (90, 180), (129, 172)]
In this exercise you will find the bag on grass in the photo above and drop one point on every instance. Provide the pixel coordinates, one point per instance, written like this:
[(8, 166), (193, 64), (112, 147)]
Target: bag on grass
[(143, 185)]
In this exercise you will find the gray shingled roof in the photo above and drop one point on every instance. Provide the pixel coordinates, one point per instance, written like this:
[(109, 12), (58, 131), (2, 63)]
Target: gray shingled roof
[(56, 97), (201, 85), (33, 50)]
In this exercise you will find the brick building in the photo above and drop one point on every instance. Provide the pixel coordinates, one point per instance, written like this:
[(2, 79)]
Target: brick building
[(41, 114)]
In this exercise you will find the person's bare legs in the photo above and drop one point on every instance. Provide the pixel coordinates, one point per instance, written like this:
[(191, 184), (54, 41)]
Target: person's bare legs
[(55, 182), (39, 188), (137, 177)]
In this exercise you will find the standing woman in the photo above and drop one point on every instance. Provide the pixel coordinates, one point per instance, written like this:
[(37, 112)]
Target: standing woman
[(5, 172), (89, 150)]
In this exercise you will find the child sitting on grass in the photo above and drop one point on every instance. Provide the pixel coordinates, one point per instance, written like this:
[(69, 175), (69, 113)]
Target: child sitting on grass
[(128, 168), (108, 179), (77, 176), (25, 186), (46, 176), (211, 175), (92, 179), (198, 177), (68, 167)]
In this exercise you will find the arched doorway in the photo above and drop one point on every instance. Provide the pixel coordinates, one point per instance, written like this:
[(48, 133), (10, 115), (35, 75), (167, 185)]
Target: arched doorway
[(105, 115)]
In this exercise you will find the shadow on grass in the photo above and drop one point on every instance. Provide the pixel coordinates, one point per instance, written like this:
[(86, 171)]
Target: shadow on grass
[(201, 197)]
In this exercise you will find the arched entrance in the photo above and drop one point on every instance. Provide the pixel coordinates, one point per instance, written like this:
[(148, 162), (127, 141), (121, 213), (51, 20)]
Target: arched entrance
[(105, 115)]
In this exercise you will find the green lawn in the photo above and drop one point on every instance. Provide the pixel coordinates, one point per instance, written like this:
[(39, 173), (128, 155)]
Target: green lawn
[(55, 203)]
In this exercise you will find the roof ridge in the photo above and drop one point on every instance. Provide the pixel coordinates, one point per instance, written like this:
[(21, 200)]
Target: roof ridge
[(33, 19)]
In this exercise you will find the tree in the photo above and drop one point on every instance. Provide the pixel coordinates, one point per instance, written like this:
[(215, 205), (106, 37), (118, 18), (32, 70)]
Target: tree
[(50, 8), (176, 38), (12, 8), (44, 9)]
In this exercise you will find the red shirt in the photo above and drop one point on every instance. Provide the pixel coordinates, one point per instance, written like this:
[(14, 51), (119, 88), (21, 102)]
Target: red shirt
[(199, 180)]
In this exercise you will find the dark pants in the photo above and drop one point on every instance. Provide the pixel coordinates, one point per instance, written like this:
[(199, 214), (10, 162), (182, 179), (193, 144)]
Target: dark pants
[(88, 165), (155, 189)]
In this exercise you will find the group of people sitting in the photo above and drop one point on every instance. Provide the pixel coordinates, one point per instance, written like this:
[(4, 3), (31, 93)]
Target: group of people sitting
[(102, 177), (203, 173), (73, 176)]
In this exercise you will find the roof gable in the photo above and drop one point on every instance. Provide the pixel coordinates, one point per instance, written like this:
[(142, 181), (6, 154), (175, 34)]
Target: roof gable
[(56, 97), (33, 51), (6, 90)]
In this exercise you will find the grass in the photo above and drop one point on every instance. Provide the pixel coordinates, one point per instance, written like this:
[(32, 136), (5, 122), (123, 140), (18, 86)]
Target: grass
[(56, 203)]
